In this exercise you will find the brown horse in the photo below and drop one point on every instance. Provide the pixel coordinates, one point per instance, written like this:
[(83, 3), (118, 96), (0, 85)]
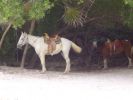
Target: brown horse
[(115, 47)]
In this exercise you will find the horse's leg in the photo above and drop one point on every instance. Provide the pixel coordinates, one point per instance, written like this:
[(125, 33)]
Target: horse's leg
[(128, 53), (42, 60), (130, 62), (105, 66), (67, 59)]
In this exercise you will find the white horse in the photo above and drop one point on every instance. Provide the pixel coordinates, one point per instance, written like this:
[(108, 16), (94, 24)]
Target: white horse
[(41, 48)]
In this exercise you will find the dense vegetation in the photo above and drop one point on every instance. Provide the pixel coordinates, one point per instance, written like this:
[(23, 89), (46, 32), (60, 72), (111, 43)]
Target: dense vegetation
[(78, 20)]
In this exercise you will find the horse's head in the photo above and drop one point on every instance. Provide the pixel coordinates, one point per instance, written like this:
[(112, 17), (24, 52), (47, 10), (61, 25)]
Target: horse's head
[(98, 42), (22, 40)]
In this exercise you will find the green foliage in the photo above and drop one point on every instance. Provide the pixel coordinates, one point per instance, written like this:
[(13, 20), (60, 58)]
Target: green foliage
[(108, 7), (73, 13), (129, 2), (52, 21), (18, 22), (39, 8), (106, 14), (128, 13), (9, 46), (11, 11), (73, 16), (72, 2)]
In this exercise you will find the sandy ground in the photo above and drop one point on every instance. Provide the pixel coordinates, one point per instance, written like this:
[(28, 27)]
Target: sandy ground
[(27, 84)]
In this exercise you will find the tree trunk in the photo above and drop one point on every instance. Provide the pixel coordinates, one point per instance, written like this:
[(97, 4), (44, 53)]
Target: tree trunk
[(4, 34), (26, 47), (33, 60)]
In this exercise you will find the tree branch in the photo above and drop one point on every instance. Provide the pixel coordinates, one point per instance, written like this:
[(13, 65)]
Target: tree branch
[(4, 34), (26, 47)]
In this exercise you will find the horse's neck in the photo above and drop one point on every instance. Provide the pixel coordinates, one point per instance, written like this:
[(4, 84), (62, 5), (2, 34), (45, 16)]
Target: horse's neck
[(32, 39)]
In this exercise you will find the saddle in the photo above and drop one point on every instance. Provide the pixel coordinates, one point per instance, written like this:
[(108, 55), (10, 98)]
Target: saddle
[(115, 46), (52, 41)]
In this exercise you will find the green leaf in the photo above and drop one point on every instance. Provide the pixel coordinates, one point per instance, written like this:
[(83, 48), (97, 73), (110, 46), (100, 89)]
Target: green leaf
[(39, 9), (129, 2), (72, 16)]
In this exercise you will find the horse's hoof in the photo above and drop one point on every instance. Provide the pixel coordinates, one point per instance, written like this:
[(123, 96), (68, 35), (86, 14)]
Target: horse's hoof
[(99, 67), (66, 72), (43, 72), (129, 67), (105, 68)]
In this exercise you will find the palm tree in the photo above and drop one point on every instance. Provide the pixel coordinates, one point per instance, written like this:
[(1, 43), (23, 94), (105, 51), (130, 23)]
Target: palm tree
[(76, 11)]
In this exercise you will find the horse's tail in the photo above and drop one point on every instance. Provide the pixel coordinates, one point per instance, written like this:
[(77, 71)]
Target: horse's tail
[(76, 48)]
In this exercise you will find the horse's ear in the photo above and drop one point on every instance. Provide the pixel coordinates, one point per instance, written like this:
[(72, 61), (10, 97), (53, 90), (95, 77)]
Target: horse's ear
[(22, 32), (25, 33), (46, 35)]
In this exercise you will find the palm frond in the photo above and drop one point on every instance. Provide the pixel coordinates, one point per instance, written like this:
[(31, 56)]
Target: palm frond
[(73, 17)]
